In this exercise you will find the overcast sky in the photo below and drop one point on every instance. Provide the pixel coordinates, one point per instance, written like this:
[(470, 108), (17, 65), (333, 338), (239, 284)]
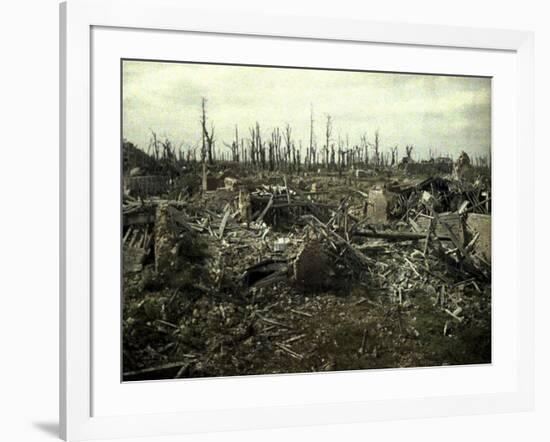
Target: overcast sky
[(446, 114)]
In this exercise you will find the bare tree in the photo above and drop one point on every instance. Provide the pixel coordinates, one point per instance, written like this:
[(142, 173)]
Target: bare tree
[(243, 155), (298, 157), (394, 153), (207, 137), (274, 146), (234, 146), (154, 143), (261, 145), (311, 152), (252, 143), (408, 150), (328, 134), (377, 148), (288, 145), (192, 154), (365, 145), (257, 147), (340, 155)]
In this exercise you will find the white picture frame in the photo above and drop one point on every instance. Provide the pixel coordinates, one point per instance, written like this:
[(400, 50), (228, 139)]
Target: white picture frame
[(77, 377)]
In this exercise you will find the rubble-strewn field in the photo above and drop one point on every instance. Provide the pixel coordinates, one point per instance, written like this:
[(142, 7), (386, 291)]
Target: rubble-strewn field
[(232, 271)]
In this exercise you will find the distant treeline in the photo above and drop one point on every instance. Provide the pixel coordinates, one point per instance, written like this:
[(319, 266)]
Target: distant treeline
[(275, 150)]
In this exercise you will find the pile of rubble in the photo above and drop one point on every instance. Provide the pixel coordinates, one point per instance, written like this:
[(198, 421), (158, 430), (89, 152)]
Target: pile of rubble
[(273, 280)]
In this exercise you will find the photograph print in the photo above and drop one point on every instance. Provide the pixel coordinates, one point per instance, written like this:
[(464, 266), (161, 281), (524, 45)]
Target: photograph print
[(281, 220)]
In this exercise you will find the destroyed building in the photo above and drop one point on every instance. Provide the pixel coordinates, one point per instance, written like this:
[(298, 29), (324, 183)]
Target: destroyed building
[(256, 272)]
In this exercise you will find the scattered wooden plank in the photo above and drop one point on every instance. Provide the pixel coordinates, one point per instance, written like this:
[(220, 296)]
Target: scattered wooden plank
[(289, 351), (267, 207), (363, 347), (295, 338), (298, 312), (455, 316), (395, 236), (273, 322), (224, 222), (166, 371)]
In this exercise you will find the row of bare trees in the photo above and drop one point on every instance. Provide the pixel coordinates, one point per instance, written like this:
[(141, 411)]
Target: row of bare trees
[(279, 150)]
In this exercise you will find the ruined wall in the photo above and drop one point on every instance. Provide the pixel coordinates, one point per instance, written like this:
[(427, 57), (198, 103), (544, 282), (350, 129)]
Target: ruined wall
[(143, 186), (429, 168), (481, 224)]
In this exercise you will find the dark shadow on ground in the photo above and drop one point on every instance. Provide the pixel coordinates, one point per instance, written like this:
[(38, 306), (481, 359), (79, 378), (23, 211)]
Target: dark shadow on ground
[(51, 428)]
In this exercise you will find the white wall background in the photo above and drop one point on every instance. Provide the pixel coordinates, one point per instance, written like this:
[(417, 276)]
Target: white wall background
[(29, 217)]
